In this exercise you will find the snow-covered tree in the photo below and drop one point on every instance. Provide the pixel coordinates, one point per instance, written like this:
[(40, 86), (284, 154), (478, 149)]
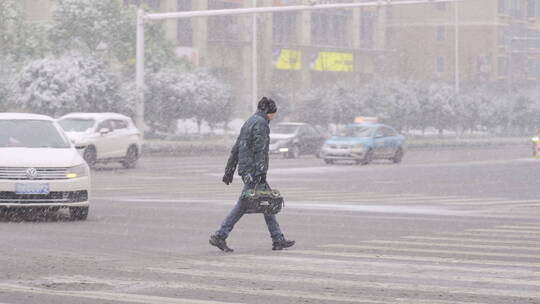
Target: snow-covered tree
[(174, 94), (314, 107), (441, 107), (213, 100), (4, 96), (393, 101), (55, 86), (107, 28), (18, 40), (345, 103), (168, 98)]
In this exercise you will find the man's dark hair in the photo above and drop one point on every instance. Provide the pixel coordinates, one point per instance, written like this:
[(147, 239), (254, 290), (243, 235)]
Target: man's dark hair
[(267, 105)]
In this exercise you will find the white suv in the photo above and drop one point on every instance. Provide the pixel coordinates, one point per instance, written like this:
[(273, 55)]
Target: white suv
[(39, 167), (103, 137)]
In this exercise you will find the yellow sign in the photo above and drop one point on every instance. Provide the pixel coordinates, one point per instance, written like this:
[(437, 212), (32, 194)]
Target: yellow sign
[(333, 62), (285, 59)]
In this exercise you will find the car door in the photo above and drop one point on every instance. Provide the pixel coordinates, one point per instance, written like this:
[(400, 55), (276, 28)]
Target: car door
[(122, 135), (314, 140), (379, 143), (391, 141), (105, 141)]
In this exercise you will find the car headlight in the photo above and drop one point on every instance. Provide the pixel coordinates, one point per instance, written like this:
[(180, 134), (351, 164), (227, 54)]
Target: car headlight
[(77, 171)]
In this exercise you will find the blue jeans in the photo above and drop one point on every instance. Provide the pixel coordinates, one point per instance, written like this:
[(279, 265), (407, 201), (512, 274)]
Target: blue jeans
[(238, 211)]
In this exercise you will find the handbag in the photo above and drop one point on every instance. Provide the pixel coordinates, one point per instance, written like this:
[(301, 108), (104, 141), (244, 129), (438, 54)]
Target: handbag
[(265, 200)]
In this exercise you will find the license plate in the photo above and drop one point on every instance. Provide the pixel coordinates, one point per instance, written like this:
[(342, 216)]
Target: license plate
[(33, 188)]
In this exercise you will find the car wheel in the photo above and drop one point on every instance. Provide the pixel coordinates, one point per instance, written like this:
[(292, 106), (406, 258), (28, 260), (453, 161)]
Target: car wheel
[(398, 156), (78, 213), (328, 161), (130, 160), (90, 156), (367, 158)]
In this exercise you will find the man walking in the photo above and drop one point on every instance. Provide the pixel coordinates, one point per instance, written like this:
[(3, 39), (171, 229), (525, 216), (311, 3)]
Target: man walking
[(250, 153)]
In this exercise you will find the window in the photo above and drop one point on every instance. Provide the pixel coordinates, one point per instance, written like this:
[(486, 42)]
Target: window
[(77, 124), (107, 124), (119, 124), (312, 131), (184, 32), (367, 30), (502, 66), (510, 7), (329, 28), (532, 8), (503, 35), (385, 132), (440, 64), (284, 27), (223, 28), (441, 33), (389, 132), (440, 5), (532, 68), (30, 134)]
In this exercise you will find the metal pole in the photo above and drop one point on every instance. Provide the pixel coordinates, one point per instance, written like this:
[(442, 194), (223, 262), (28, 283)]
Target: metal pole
[(139, 120), (273, 9), (456, 50), (254, 63), (510, 75)]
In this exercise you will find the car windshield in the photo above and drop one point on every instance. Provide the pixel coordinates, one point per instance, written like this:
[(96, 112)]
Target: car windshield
[(30, 134), (76, 124), (285, 129), (356, 131)]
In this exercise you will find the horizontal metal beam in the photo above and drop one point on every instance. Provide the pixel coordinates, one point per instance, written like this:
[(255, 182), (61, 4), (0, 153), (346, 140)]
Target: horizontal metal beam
[(275, 9)]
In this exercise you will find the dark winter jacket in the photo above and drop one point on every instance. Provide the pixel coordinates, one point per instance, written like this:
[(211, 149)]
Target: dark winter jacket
[(250, 152)]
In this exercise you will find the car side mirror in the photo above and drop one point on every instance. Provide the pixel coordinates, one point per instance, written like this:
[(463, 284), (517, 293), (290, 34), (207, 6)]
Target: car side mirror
[(104, 131)]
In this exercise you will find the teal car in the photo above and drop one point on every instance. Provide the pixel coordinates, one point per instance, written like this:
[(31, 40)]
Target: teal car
[(363, 143)]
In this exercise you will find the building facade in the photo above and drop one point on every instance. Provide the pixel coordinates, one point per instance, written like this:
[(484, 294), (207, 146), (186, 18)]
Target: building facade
[(498, 41), (296, 50)]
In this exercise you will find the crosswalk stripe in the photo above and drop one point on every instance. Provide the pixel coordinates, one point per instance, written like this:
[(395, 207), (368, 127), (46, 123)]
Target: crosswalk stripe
[(506, 231), (436, 251), (367, 269), (106, 296), (432, 244), (521, 227), (492, 235), (496, 291), (494, 202), (474, 240), (414, 258), (320, 263)]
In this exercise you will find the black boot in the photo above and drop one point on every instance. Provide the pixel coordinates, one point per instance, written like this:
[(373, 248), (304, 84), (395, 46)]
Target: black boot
[(282, 244), (220, 243)]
